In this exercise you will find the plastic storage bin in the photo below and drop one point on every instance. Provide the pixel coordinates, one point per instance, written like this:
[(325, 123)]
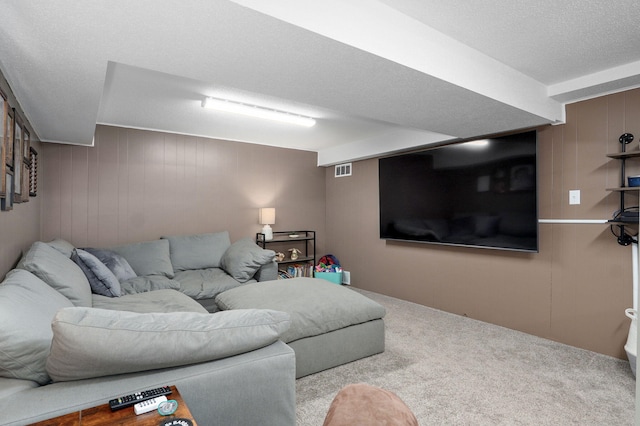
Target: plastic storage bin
[(633, 180), (334, 277)]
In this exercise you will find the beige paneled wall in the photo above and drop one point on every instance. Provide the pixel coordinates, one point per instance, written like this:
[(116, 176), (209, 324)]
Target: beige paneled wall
[(137, 185), (574, 290)]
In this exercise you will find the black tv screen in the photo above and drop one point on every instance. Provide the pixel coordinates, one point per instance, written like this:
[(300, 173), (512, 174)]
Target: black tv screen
[(480, 193)]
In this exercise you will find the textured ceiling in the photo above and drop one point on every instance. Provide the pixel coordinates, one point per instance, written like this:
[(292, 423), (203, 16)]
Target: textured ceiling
[(379, 76), (548, 40)]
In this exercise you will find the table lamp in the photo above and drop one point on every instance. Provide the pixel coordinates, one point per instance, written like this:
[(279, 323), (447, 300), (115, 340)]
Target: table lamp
[(267, 217)]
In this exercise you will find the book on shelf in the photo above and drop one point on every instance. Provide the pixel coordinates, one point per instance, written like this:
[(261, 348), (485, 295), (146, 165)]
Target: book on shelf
[(297, 270)]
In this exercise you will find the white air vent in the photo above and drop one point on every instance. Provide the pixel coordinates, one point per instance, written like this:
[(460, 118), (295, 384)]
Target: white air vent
[(343, 170)]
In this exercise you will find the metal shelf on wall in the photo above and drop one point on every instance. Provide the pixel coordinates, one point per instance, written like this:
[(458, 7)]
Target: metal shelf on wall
[(630, 189), (624, 154), (624, 238)]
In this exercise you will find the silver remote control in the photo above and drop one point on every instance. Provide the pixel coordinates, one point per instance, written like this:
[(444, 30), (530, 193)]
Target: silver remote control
[(148, 405)]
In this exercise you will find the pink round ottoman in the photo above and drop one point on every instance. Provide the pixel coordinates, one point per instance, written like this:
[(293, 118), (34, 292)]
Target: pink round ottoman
[(366, 405)]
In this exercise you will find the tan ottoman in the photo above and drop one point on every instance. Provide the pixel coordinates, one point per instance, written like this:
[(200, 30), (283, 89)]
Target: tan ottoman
[(366, 405)]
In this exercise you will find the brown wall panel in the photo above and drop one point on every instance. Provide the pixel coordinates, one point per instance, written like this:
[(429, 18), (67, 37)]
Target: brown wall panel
[(18, 229), (574, 290), (138, 185)]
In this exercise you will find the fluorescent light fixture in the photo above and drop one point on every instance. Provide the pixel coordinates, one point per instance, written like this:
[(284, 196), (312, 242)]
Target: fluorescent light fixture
[(476, 144), (257, 111)]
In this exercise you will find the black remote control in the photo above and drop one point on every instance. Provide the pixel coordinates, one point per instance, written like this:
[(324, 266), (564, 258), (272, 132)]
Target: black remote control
[(134, 398)]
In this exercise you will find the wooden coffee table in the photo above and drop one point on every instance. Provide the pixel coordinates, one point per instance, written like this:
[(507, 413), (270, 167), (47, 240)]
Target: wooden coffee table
[(103, 416)]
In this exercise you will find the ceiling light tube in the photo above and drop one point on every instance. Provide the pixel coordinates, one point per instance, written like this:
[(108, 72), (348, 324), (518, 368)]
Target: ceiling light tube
[(257, 111)]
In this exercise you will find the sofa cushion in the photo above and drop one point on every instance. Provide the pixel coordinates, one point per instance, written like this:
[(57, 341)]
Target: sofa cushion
[(90, 342), (198, 251), (148, 257), (316, 306), (148, 283), (243, 258), (154, 301), (101, 279), (115, 262), (205, 283), (59, 271), (62, 246), (27, 306)]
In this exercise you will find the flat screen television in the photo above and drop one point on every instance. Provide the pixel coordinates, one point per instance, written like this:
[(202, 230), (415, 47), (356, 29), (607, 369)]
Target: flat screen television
[(480, 193)]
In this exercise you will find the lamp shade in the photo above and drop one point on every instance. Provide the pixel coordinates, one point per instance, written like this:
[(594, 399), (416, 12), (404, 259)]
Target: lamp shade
[(267, 216)]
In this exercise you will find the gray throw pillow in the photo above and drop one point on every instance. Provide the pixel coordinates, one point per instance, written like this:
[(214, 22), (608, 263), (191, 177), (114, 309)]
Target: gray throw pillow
[(200, 251), (148, 257), (101, 279), (243, 259), (90, 342), (59, 271), (116, 263), (27, 306)]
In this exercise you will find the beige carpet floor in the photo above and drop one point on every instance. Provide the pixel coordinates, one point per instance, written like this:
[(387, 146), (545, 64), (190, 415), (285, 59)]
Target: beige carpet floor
[(452, 370)]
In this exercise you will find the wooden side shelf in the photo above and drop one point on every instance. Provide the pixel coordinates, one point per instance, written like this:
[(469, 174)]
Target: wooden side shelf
[(103, 416)]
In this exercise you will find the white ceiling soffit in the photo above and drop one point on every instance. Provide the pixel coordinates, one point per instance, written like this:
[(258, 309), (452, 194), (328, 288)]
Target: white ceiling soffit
[(379, 76), (143, 99)]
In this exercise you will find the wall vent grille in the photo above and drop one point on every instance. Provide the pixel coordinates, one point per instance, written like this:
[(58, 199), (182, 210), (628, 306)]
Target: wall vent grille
[(343, 170)]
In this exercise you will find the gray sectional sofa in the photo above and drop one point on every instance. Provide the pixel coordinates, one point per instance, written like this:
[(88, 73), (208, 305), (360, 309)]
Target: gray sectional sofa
[(64, 348), (79, 326)]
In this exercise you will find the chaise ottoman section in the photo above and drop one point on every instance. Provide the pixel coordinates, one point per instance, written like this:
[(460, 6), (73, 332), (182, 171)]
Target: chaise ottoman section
[(330, 324)]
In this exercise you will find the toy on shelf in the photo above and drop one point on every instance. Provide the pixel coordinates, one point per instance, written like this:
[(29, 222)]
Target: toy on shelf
[(294, 253)]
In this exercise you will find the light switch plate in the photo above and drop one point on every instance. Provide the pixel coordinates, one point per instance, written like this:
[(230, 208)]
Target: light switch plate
[(574, 196)]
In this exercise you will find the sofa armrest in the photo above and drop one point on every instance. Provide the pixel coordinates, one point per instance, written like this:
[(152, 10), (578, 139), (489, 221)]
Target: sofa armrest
[(267, 272), (256, 387)]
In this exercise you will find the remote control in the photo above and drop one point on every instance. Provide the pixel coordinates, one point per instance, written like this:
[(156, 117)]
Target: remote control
[(148, 405), (134, 398)]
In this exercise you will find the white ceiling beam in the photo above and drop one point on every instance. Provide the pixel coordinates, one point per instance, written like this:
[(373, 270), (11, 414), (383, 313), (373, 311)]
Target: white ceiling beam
[(394, 140), (612, 80), (383, 31)]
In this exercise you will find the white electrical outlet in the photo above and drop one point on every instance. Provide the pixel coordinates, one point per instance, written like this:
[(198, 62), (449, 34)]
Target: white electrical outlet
[(574, 196), (346, 277)]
